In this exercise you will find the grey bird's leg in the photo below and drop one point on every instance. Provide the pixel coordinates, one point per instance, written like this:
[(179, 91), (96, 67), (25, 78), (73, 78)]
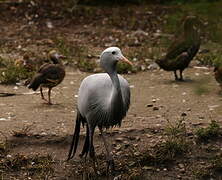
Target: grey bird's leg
[(110, 161)]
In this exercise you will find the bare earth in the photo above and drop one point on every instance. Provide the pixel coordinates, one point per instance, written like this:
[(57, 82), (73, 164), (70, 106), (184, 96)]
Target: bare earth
[(51, 127)]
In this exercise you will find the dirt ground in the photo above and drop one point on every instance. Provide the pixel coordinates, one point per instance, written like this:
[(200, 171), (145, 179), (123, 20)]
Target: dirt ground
[(157, 101), (51, 127)]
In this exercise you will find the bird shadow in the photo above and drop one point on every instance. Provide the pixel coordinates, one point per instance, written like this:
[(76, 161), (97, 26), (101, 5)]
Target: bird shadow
[(185, 81)]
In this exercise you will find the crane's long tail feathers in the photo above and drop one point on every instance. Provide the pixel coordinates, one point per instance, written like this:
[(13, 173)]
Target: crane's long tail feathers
[(75, 138), (85, 149), (35, 83)]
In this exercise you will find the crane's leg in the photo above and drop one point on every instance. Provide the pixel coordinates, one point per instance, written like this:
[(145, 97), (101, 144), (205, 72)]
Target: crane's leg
[(110, 161), (175, 74), (49, 94), (181, 75), (91, 147), (85, 149)]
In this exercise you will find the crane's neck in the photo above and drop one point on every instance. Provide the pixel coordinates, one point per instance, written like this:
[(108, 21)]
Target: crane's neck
[(116, 97)]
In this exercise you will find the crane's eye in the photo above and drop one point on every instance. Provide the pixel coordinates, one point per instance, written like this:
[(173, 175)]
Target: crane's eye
[(114, 52)]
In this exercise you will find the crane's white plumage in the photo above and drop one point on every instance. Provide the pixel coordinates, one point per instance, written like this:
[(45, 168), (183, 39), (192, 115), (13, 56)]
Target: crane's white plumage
[(103, 101)]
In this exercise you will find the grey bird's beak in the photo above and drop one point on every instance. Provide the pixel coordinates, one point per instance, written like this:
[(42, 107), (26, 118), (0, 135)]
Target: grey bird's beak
[(126, 60)]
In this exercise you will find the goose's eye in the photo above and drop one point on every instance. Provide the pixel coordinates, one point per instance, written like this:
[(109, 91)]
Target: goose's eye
[(113, 52)]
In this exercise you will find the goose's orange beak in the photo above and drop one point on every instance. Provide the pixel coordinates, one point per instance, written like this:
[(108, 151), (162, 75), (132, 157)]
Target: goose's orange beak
[(126, 60)]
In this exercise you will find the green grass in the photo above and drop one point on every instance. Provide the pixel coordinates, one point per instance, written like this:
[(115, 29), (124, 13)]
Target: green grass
[(212, 131), (11, 73), (176, 143)]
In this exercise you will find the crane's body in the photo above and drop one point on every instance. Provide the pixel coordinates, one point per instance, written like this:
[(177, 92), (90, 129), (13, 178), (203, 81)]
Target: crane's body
[(103, 101), (97, 110)]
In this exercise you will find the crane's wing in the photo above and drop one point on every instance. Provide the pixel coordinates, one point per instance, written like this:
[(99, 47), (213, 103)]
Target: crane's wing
[(94, 99)]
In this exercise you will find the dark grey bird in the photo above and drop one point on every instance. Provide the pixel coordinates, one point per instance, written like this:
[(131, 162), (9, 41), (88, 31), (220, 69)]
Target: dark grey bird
[(49, 75), (103, 101), (183, 48)]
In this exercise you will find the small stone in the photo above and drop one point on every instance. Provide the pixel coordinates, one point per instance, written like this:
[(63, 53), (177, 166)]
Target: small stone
[(43, 134), (136, 153), (181, 165), (155, 108), (147, 168), (182, 170), (138, 138), (184, 114), (153, 66), (119, 139), (153, 100), (149, 105), (149, 136), (132, 164)]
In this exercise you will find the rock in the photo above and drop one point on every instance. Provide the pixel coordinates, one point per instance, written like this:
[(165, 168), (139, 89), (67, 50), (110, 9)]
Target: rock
[(149, 105), (138, 138), (118, 147), (180, 165), (126, 144), (153, 100), (155, 108), (137, 153), (139, 32), (153, 66), (3, 119), (148, 168), (119, 177), (184, 114), (119, 139)]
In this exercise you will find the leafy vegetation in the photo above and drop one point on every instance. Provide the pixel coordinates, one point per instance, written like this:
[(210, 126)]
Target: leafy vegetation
[(12, 73), (33, 164), (212, 131)]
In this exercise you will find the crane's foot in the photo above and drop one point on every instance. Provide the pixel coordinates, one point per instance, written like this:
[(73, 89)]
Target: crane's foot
[(110, 166)]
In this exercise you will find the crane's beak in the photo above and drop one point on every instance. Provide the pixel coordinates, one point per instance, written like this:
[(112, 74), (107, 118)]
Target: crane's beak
[(126, 60)]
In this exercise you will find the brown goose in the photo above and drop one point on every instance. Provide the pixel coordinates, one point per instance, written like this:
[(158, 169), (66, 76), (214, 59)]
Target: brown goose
[(49, 75), (184, 47)]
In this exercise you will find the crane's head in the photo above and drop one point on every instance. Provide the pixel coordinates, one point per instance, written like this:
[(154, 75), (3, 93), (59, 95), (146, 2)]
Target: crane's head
[(110, 57)]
